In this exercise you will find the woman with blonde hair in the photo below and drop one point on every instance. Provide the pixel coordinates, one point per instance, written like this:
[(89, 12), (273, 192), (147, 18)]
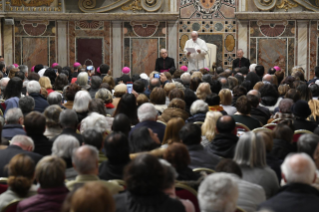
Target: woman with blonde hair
[(203, 90), (46, 83), (209, 127), (314, 107), (226, 99), (172, 131)]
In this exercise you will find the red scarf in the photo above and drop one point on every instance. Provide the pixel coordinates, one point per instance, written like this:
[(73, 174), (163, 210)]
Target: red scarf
[(216, 108), (109, 105)]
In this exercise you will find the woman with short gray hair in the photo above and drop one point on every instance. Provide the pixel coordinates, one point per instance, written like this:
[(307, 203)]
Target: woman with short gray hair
[(81, 104), (250, 155), (106, 96), (52, 114)]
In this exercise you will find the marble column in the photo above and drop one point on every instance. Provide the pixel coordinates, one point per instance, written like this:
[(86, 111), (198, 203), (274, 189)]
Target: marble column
[(242, 39), (173, 6), (302, 45), (116, 48), (8, 44), (242, 6), (172, 41), (62, 43)]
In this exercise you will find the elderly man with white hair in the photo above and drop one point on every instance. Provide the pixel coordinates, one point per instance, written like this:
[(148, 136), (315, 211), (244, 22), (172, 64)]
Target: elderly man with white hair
[(20, 144), (299, 172), (241, 61), (186, 79), (3, 84), (147, 115), (165, 63), (14, 121), (198, 110), (252, 67), (33, 90), (195, 50), (218, 192)]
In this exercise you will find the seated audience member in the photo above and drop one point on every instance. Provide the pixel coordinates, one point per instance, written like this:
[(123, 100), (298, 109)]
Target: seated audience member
[(226, 98), (96, 121), (243, 114), (50, 174), (158, 98), (284, 108), (301, 112), (128, 106), (106, 96), (269, 97), (260, 108), (293, 94), (256, 112), (307, 143), (33, 89), (91, 196), (299, 172), (189, 99), (85, 162), (55, 98), (82, 81), (250, 155), (203, 90), (20, 180), (209, 127), (70, 92), (314, 107), (98, 106), (213, 101), (46, 84), (250, 195), (305, 92), (34, 125), (26, 104), (119, 91), (283, 89), (20, 144), (190, 134), (198, 111), (145, 180), (52, 126), (218, 192), (186, 79), (121, 123), (143, 139), (176, 108), (12, 94), (141, 99), (81, 104), (94, 138), (96, 81), (63, 147), (147, 116), (282, 143), (3, 84), (176, 93), (314, 88), (177, 155), (117, 151), (225, 140), (60, 83), (14, 121), (171, 135), (139, 86), (238, 91), (260, 71), (69, 123)]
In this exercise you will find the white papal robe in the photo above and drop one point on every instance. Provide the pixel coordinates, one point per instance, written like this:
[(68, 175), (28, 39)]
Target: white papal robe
[(196, 60)]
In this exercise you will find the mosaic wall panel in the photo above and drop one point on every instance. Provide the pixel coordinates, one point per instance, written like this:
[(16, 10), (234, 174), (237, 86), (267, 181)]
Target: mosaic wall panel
[(142, 44), (35, 42)]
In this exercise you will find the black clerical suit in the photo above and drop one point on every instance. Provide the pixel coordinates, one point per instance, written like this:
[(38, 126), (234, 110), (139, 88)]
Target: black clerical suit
[(165, 64), (241, 63)]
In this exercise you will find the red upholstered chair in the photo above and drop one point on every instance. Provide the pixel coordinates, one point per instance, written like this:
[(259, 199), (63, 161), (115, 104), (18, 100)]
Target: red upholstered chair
[(185, 192), (241, 128), (270, 126), (299, 133), (3, 188), (261, 129), (11, 207)]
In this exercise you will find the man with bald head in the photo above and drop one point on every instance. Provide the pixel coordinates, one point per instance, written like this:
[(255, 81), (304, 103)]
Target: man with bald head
[(165, 63), (241, 61), (299, 172), (195, 50), (85, 161), (225, 141)]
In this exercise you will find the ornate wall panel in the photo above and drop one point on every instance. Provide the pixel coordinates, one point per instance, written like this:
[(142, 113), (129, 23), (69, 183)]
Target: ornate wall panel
[(39, 6)]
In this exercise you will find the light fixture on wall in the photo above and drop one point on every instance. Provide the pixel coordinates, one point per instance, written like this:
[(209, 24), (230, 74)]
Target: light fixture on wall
[(9, 21)]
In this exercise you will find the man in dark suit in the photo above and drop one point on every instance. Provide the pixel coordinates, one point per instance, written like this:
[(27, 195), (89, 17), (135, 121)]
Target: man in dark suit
[(20, 144), (240, 61), (165, 63)]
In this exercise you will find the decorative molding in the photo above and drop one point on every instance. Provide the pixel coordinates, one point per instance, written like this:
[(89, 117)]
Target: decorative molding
[(34, 28), (144, 29), (33, 6), (276, 15), (265, 4), (285, 4), (90, 25)]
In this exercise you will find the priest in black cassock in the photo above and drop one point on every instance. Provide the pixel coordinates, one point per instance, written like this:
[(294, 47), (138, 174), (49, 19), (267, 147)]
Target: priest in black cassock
[(165, 63), (240, 61)]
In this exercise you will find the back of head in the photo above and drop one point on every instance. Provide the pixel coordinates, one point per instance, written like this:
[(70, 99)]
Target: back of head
[(104, 69), (243, 106), (176, 93), (252, 67), (81, 101), (283, 132), (85, 159), (174, 125), (21, 171), (23, 141), (307, 143), (98, 106), (71, 90), (225, 124), (229, 166), (121, 123), (20, 75), (199, 106), (13, 88), (225, 97), (144, 175), (139, 86), (147, 112), (203, 90), (96, 81), (317, 71), (104, 95), (298, 168), (314, 88), (212, 99), (253, 100), (64, 145), (34, 123), (55, 98), (141, 140), (82, 79), (50, 172), (158, 96), (52, 114), (243, 70), (33, 87), (293, 94), (13, 116), (177, 155), (93, 137), (177, 103), (95, 121), (37, 68), (285, 105), (68, 119), (117, 148), (190, 134), (271, 71), (218, 192)]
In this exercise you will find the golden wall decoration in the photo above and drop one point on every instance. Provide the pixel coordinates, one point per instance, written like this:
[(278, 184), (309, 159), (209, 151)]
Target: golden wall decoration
[(32, 3)]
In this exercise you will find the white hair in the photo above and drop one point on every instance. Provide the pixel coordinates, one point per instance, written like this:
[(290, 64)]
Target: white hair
[(4, 82), (82, 79), (163, 50), (240, 50), (199, 106), (298, 168), (179, 85), (55, 98), (95, 121), (195, 32), (252, 67), (146, 112), (186, 78), (81, 101), (22, 140), (33, 87), (64, 146), (218, 192), (13, 115)]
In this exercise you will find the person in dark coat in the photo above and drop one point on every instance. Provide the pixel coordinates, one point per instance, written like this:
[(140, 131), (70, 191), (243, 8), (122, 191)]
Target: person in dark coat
[(34, 125), (34, 90), (282, 143), (301, 111), (299, 172), (165, 63), (20, 144), (145, 180), (147, 116), (96, 81), (190, 134), (13, 126), (257, 112), (50, 174), (117, 151), (240, 61), (225, 141), (198, 111)]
